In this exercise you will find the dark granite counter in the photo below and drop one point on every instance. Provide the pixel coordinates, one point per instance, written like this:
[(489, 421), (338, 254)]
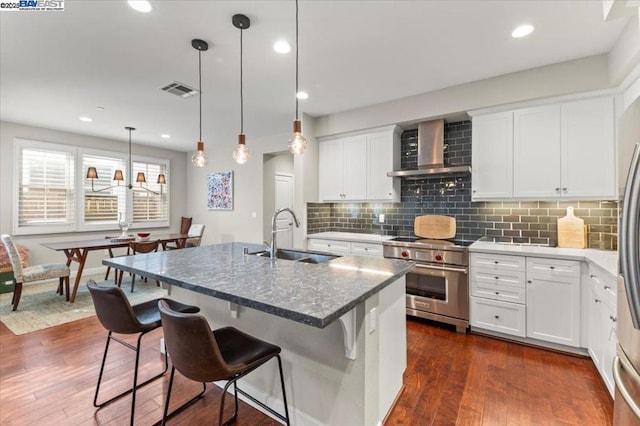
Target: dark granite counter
[(313, 294)]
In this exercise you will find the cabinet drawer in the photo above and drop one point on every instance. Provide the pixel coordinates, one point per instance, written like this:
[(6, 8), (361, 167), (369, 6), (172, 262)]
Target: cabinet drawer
[(495, 291), (497, 262), (331, 246), (552, 267), (366, 249), (604, 283), (494, 315), (503, 278)]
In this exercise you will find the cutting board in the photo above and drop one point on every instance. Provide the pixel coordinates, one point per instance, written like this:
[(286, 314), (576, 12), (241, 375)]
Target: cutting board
[(572, 232), (434, 227)]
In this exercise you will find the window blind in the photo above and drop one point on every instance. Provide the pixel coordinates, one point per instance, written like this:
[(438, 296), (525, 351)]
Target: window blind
[(45, 187), (104, 206), (147, 206)]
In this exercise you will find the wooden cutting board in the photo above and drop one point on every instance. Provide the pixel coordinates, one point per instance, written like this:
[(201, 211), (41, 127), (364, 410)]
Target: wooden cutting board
[(434, 227), (572, 233)]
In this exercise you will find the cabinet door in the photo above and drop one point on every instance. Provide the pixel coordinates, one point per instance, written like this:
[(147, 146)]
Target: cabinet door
[(355, 168), (331, 170), (536, 152), (381, 149), (609, 339), (596, 326), (329, 246), (588, 149), (553, 309), (492, 156)]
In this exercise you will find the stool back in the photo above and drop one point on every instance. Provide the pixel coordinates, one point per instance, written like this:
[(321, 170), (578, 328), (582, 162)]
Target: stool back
[(192, 346), (114, 310)]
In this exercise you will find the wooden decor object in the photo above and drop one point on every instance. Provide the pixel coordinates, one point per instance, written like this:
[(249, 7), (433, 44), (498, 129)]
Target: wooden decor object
[(572, 232), (435, 227)]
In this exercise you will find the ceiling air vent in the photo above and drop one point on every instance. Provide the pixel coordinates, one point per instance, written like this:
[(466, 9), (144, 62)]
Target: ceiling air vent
[(180, 89)]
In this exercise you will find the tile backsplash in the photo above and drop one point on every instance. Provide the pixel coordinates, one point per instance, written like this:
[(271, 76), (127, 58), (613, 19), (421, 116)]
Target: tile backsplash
[(528, 222)]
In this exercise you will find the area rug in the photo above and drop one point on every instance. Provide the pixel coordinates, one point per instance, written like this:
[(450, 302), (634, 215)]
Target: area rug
[(40, 307)]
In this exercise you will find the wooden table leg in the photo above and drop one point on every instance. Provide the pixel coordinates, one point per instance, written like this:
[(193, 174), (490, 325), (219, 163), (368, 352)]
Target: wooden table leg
[(79, 256)]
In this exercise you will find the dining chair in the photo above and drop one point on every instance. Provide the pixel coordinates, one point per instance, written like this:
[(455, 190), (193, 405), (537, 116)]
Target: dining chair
[(118, 316), (206, 355), (29, 274), (111, 256), (196, 230), (139, 247), (185, 224)]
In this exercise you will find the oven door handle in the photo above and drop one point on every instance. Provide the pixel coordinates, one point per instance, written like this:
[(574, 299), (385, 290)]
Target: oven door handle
[(441, 268)]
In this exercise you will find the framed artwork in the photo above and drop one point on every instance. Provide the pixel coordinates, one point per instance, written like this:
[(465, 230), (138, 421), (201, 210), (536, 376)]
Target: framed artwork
[(220, 191)]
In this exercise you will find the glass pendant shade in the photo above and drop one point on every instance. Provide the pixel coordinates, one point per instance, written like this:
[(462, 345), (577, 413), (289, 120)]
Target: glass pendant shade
[(92, 173), (241, 153), (118, 176), (200, 159), (297, 143)]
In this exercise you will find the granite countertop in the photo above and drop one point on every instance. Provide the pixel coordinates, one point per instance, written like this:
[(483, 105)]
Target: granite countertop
[(605, 259), (313, 294), (351, 236)]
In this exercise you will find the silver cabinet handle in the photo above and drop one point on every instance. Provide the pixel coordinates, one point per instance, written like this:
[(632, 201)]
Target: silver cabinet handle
[(564, 189), (597, 300), (497, 292), (612, 318), (618, 364), (557, 189), (442, 268), (593, 277), (496, 316), (606, 287)]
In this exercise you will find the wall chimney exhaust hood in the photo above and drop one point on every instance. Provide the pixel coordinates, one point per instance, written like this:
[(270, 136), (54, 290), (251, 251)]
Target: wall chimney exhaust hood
[(430, 154)]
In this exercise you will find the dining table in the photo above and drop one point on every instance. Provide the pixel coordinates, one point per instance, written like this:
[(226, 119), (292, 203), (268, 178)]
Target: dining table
[(77, 250)]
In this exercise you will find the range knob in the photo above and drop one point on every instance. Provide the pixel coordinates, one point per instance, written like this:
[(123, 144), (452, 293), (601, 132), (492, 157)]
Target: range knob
[(404, 253), (438, 257)]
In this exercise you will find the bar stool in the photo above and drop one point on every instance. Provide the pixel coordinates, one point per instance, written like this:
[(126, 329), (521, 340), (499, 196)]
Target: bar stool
[(206, 355), (116, 314)]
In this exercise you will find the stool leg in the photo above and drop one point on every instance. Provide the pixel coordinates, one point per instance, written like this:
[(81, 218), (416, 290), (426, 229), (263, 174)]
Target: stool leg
[(166, 403), (284, 394), (17, 292), (104, 359)]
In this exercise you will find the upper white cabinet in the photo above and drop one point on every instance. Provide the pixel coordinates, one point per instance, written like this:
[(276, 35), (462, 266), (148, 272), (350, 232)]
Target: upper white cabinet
[(564, 150), (492, 151), (354, 167)]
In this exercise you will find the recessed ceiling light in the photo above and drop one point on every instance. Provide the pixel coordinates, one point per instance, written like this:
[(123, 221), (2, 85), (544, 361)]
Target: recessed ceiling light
[(99, 108), (302, 95), (282, 47), (522, 30), (140, 5), (86, 119), (165, 136)]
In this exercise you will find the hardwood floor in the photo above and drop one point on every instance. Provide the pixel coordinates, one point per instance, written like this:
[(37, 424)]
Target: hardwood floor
[(48, 377)]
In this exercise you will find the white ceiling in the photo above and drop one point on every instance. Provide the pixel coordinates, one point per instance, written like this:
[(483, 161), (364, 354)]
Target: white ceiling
[(57, 66)]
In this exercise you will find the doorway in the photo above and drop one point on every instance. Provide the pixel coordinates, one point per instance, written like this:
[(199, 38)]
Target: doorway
[(284, 198)]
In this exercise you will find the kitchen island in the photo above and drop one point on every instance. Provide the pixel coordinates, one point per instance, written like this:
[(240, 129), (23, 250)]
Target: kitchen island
[(340, 324)]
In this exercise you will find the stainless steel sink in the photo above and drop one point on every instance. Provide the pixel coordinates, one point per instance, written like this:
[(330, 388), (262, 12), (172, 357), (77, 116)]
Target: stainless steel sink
[(299, 255)]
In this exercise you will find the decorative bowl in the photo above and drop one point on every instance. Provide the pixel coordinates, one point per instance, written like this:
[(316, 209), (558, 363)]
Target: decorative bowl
[(144, 234)]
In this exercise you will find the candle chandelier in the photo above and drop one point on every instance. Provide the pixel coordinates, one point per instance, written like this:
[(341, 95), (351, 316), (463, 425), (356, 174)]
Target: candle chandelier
[(92, 173)]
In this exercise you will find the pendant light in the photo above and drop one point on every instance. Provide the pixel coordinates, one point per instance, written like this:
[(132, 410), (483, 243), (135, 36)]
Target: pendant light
[(241, 153), (297, 143), (92, 174), (200, 159)]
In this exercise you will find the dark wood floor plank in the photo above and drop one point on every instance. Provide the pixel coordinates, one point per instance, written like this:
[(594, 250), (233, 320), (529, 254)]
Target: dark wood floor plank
[(49, 377)]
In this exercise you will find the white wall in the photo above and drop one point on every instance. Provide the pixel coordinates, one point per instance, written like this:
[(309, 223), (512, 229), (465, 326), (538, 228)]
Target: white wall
[(38, 254), (239, 223), (580, 75)]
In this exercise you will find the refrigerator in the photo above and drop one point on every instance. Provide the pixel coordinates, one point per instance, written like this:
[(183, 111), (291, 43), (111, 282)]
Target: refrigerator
[(626, 366)]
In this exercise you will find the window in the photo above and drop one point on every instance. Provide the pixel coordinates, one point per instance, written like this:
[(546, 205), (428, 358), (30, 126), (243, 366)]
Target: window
[(45, 188), (50, 175)]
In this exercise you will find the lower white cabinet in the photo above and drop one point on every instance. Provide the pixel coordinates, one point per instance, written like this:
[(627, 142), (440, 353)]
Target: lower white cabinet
[(602, 326), (494, 315), (356, 248), (553, 300)]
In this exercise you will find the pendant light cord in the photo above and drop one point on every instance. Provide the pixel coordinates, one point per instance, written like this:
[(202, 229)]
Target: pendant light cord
[(296, 59), (241, 92), (130, 177), (200, 88)]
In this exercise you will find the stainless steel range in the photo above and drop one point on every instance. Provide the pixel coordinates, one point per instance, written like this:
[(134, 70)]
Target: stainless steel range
[(438, 286)]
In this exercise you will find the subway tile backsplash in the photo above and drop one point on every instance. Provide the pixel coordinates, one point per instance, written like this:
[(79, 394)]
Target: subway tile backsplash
[(528, 222)]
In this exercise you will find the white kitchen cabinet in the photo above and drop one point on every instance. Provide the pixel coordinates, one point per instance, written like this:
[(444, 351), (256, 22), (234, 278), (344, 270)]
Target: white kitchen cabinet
[(536, 152), (343, 248), (602, 324), (492, 156), (498, 316), (553, 301), (354, 167), (564, 150)]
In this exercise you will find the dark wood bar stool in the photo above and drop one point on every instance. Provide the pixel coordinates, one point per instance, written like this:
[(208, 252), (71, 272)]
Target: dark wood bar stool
[(203, 355), (117, 315)]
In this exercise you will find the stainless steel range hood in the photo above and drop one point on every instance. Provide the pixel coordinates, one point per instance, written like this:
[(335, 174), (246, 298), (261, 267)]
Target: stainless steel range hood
[(430, 154)]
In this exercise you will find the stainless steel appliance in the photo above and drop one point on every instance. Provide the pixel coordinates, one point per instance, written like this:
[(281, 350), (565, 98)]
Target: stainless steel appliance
[(626, 366), (438, 285)]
